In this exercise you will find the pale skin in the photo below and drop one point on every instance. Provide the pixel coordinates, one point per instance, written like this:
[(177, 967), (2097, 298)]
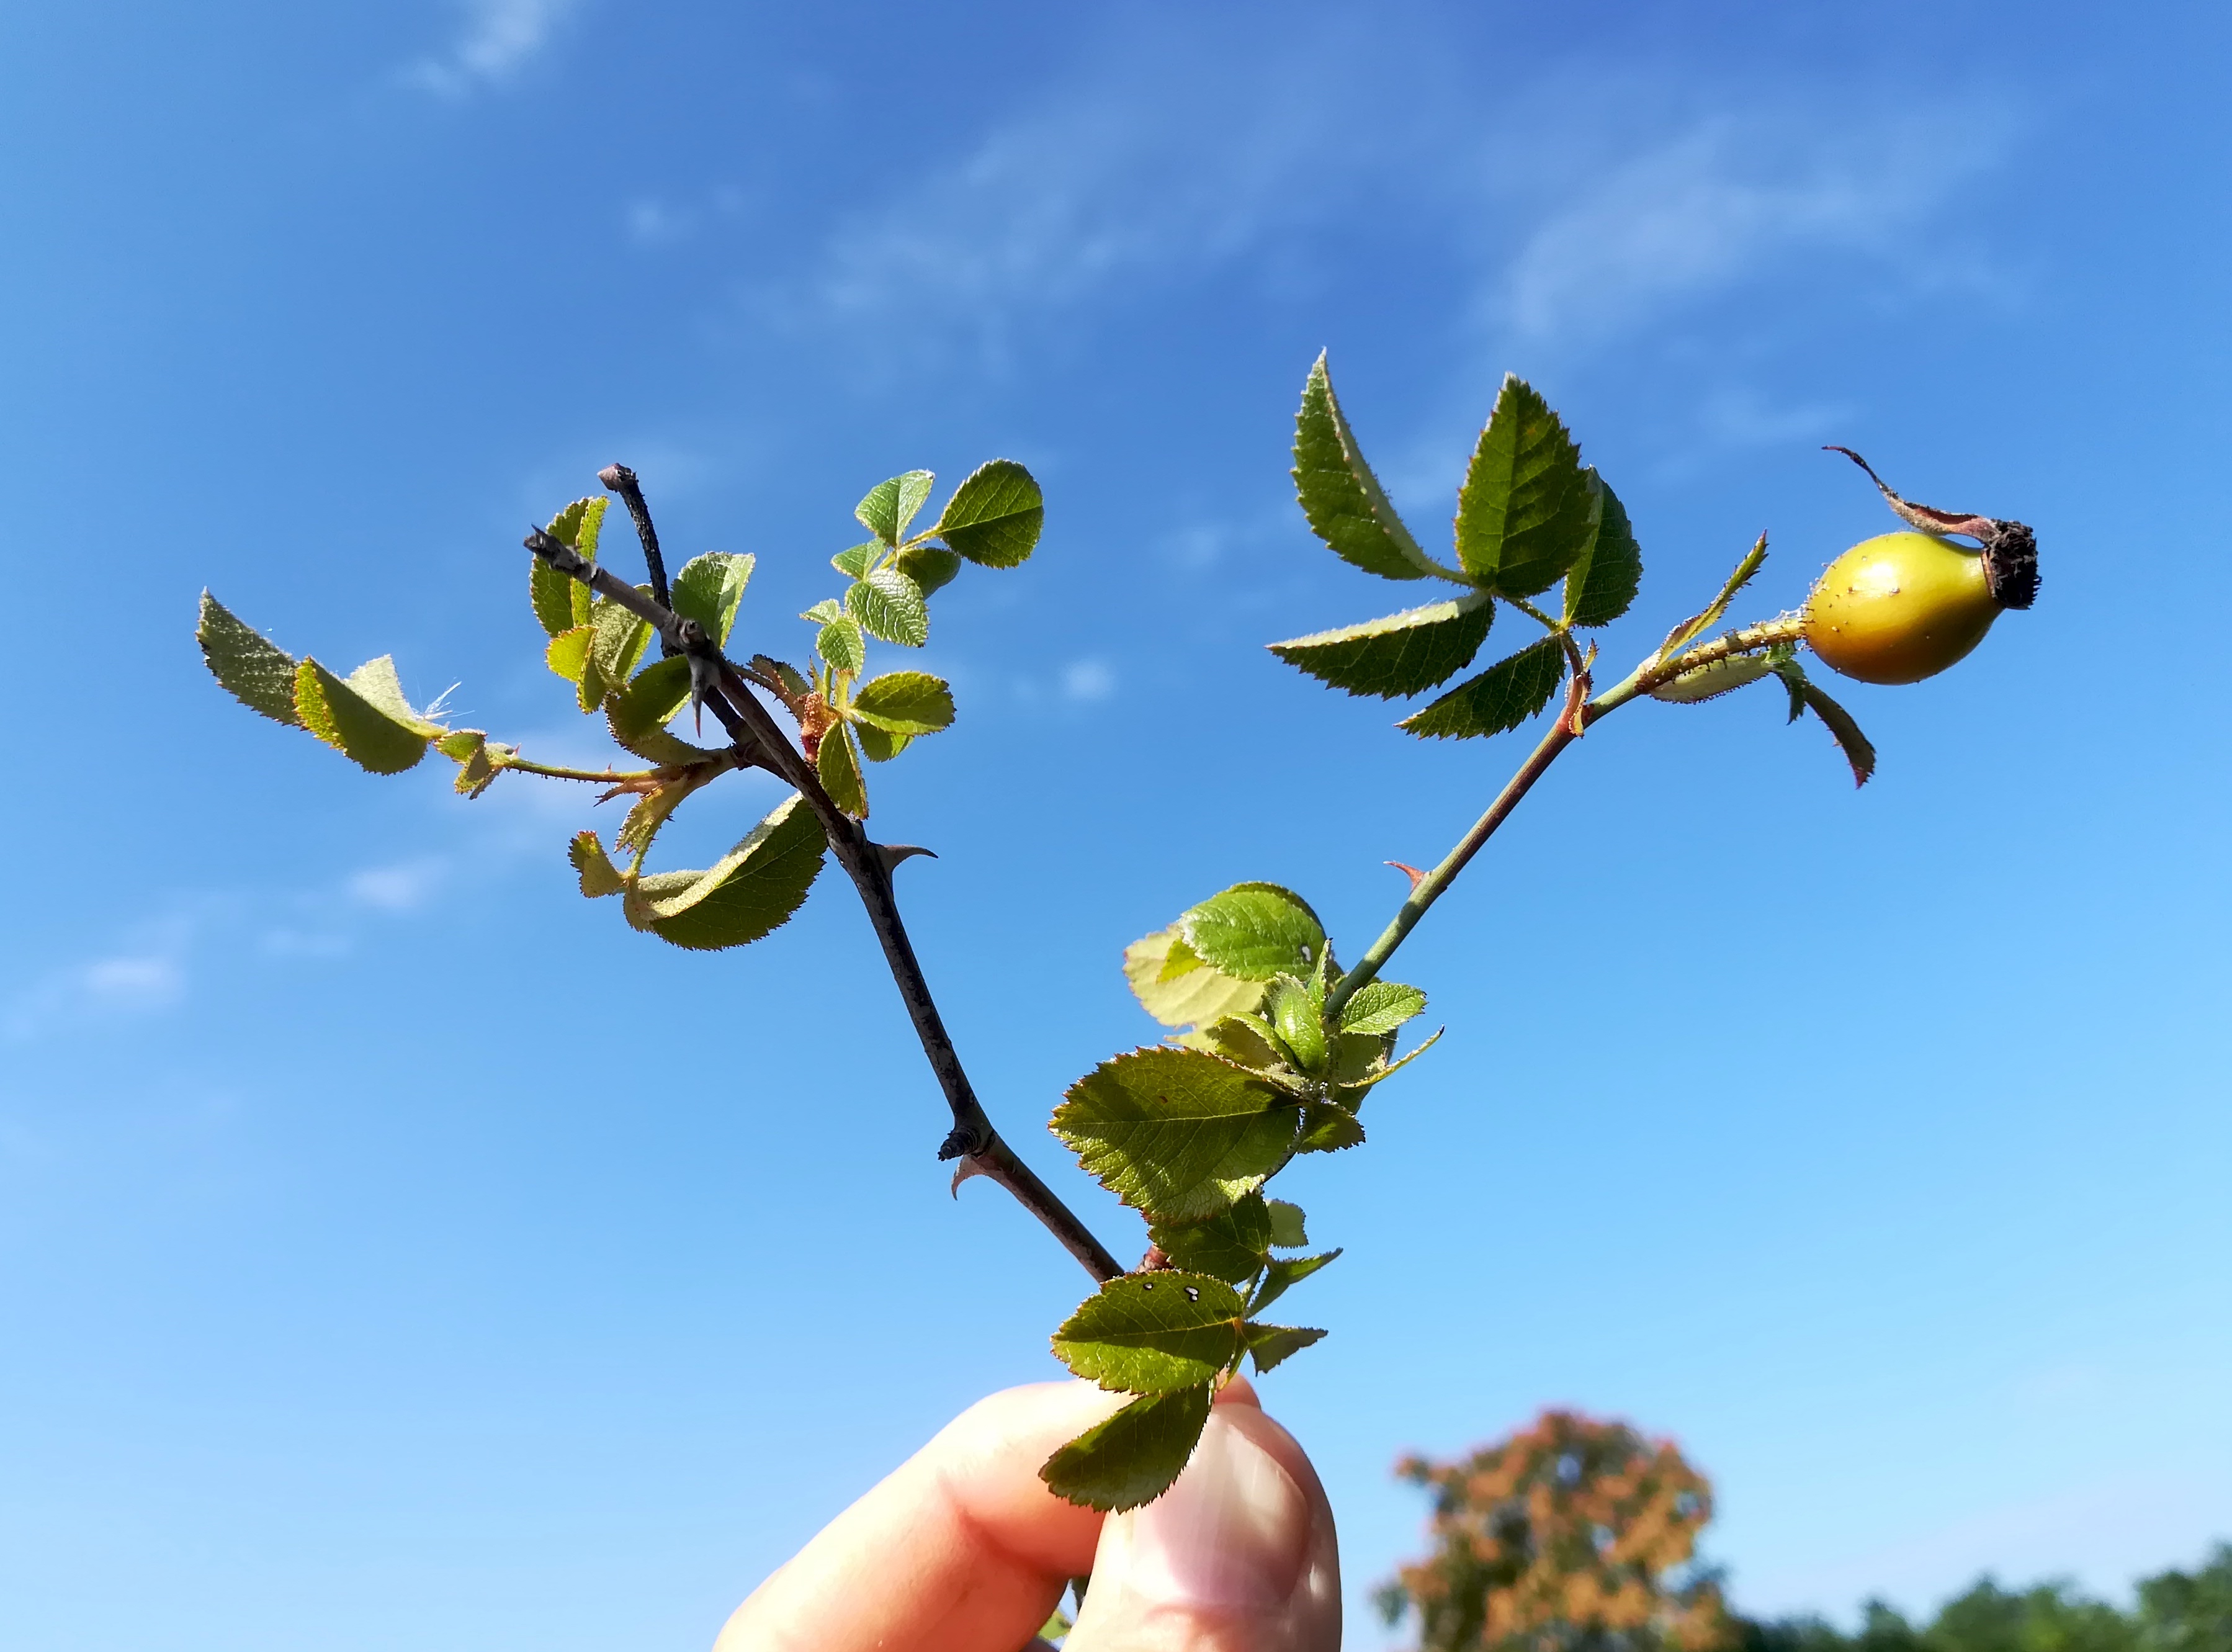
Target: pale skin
[(963, 1549)]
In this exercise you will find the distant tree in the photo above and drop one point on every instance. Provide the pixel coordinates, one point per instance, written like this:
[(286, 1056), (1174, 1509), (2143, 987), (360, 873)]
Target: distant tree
[(1573, 1535), (2177, 1611)]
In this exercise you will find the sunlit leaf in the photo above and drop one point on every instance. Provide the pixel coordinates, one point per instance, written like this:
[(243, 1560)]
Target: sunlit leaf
[(1523, 514), (750, 891), (1380, 1006), (1254, 931), (599, 875), (1328, 1128), (561, 601), (709, 588), (889, 605), (1233, 1245), (1286, 1229), (1187, 995), (1176, 1133), (1502, 697), (838, 761), (1697, 624), (338, 713), (1403, 654), (930, 567), (841, 644), (890, 505), (1605, 576), (994, 516), (253, 670), (1269, 1345), (1149, 1333), (1132, 1458), (1341, 497), (906, 702), (877, 746), (855, 560), (1284, 1272)]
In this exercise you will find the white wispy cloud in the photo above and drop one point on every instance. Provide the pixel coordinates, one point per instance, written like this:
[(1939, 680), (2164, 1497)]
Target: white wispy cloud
[(1570, 217), (495, 40)]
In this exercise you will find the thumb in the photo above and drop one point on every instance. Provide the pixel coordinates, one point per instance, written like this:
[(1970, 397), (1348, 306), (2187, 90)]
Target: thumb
[(1238, 1556)]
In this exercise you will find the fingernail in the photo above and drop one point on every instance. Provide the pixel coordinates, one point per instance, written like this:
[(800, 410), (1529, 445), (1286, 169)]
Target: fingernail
[(1232, 1532)]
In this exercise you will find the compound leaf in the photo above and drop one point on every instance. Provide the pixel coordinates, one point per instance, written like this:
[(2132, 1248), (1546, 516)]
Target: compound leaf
[(1603, 578), (1149, 1333), (1132, 1458), (994, 516), (709, 588), (1523, 512), (889, 605), (1254, 931), (1403, 654), (1234, 1244), (890, 505), (1176, 1133), (339, 714), (1341, 497), (1269, 1345), (1284, 1273), (750, 891), (1173, 985), (1502, 697), (1380, 1006), (906, 702), (253, 670)]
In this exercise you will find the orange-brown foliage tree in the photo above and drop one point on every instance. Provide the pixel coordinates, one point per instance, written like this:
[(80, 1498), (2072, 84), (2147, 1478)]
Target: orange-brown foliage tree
[(1573, 1535)]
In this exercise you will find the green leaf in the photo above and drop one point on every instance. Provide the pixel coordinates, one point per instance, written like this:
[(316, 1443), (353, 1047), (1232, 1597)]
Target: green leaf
[(1055, 1626), (652, 809), (339, 714), (1523, 512), (1603, 578), (1858, 751), (1697, 624), (561, 601), (855, 560), (1502, 697), (840, 643), (930, 567), (1401, 655), (617, 641), (1297, 1019), (1328, 1128), (468, 749), (1182, 995), (1243, 1038), (751, 890), (1234, 1245), (826, 609), (1149, 1333), (890, 505), (906, 702), (994, 516), (1380, 1006), (1286, 1230), (1176, 1133), (1269, 1345), (568, 652), (889, 605), (877, 745), (1254, 931), (709, 589), (599, 875), (1343, 500), (838, 761), (1132, 1458), (638, 715), (375, 679), (252, 669), (1283, 1274)]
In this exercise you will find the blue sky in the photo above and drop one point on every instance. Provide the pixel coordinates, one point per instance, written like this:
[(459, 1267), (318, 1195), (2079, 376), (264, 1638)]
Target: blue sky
[(395, 1249)]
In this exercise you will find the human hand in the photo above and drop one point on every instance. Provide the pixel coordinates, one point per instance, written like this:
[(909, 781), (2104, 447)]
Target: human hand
[(964, 1550)]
